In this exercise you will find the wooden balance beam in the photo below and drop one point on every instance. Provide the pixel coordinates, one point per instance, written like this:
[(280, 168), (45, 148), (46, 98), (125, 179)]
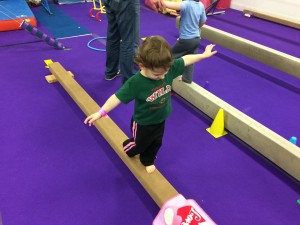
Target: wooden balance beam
[(51, 79), (273, 18), (115, 137), (276, 59), (271, 145)]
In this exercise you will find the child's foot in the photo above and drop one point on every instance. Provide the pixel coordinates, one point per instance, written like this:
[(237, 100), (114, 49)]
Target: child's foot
[(150, 169)]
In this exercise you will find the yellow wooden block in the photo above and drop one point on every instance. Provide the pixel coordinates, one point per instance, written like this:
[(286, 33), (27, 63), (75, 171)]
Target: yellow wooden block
[(48, 61), (51, 78)]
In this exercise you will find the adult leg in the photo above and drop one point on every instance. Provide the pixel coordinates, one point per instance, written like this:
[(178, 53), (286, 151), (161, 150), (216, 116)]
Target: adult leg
[(137, 31), (112, 44), (137, 25), (126, 18)]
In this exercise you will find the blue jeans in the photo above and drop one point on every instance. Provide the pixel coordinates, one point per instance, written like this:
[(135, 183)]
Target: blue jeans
[(121, 34), (137, 25)]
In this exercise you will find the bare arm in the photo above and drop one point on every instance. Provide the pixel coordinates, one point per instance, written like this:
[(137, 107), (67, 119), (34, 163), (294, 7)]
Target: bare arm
[(111, 103), (201, 24), (157, 5), (173, 5), (191, 59)]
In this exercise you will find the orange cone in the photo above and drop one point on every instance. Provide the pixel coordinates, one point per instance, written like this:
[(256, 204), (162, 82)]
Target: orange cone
[(217, 127)]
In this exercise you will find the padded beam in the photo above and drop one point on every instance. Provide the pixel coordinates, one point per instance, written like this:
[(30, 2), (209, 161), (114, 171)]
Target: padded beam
[(274, 147), (155, 184), (276, 59), (12, 14), (273, 18), (51, 79)]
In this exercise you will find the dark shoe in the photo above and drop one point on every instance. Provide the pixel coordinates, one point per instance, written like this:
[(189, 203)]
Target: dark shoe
[(111, 77), (186, 81)]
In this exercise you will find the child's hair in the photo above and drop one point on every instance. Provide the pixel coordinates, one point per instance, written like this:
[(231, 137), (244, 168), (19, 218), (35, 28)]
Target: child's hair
[(154, 52)]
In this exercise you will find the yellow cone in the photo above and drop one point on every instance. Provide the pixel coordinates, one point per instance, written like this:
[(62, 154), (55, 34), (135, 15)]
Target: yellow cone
[(48, 61), (217, 127)]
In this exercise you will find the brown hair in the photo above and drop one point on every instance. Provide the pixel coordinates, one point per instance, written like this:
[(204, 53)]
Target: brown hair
[(154, 52)]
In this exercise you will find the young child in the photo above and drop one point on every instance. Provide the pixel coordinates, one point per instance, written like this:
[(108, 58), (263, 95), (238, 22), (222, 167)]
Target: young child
[(151, 90), (192, 17)]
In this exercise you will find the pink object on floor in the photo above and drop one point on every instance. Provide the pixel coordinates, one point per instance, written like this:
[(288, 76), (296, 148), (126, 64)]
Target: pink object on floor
[(179, 210)]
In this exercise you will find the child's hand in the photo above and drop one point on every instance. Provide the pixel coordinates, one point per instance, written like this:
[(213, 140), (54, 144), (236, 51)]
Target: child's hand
[(209, 51), (157, 5), (92, 118)]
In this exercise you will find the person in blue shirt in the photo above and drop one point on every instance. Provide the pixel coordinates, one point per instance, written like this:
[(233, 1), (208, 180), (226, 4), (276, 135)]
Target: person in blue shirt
[(192, 18)]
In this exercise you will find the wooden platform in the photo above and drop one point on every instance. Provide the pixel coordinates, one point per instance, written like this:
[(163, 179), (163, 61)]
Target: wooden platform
[(271, 145), (155, 184), (273, 18), (271, 57), (12, 14)]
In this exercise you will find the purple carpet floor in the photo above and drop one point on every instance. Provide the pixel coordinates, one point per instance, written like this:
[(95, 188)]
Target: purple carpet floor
[(54, 170)]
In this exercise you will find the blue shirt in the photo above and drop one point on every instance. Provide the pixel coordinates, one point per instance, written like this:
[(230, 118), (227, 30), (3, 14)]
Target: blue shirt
[(192, 13)]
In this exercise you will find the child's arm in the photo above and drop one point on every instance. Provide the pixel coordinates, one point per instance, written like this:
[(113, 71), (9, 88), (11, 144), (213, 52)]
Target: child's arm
[(157, 5), (109, 105), (191, 59), (172, 5)]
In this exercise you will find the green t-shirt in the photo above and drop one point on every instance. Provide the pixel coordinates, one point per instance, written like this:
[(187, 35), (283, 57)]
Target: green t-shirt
[(152, 97)]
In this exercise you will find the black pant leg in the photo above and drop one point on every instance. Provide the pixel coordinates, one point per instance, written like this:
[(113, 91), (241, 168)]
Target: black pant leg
[(148, 157), (129, 147), (146, 141), (155, 137)]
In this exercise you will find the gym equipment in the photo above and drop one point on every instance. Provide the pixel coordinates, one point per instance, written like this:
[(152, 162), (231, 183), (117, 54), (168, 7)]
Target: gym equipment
[(273, 18), (271, 57), (12, 14), (100, 9), (41, 35), (277, 149)]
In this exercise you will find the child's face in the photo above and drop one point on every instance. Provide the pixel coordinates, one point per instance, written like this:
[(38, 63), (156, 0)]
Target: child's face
[(154, 74)]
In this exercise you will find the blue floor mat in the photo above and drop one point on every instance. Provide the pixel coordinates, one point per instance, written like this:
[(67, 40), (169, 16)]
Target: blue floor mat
[(59, 24)]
